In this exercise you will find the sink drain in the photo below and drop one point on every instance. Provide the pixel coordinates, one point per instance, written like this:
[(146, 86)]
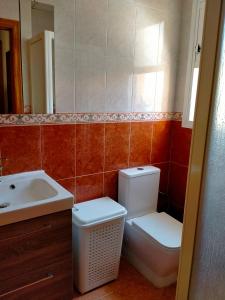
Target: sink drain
[(4, 205)]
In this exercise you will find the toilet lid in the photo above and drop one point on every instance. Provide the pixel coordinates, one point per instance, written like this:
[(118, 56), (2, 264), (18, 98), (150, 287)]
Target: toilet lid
[(161, 227)]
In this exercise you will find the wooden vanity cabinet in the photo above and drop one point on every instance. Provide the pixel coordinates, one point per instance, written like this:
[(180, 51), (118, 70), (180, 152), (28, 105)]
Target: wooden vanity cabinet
[(36, 258)]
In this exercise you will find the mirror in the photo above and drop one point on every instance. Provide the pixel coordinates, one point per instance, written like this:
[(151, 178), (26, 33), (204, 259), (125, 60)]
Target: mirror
[(27, 73), (100, 56), (37, 31), (5, 72), (10, 68)]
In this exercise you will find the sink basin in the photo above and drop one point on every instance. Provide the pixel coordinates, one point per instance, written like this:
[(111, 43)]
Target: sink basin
[(29, 195)]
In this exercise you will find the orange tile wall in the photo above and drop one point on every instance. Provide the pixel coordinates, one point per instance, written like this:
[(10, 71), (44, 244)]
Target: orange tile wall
[(85, 158), (180, 150)]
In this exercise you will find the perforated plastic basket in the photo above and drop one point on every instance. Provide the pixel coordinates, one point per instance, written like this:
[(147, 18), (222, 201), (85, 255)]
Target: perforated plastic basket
[(97, 239)]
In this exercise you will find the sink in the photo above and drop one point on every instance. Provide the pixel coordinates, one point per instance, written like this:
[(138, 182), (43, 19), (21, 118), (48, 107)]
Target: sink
[(29, 195)]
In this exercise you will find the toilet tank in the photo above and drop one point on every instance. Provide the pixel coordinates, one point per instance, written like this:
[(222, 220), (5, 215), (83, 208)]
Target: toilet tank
[(138, 190)]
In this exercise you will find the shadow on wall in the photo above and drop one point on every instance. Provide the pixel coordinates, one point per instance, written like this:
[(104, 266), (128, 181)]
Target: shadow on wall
[(173, 199)]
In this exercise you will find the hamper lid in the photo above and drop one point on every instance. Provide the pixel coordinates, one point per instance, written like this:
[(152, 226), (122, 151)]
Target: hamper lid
[(97, 211)]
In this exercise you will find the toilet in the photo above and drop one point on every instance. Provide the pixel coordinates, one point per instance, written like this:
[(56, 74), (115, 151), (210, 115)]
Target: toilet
[(152, 240)]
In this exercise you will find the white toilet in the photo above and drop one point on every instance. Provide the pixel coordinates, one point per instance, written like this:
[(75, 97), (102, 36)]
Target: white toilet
[(152, 240)]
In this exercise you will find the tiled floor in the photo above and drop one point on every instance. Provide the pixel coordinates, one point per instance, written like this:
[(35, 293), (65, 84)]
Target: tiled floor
[(130, 286)]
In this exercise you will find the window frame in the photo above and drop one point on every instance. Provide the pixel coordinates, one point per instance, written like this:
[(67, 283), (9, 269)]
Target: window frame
[(193, 43)]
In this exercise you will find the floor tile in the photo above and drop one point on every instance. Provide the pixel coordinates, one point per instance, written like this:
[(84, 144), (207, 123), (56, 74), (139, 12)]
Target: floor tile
[(130, 285)]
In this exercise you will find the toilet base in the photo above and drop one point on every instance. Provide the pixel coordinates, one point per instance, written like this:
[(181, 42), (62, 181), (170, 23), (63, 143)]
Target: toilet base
[(155, 279)]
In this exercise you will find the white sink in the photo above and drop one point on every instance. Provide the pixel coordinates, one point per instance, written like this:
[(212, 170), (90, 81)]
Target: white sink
[(29, 195)]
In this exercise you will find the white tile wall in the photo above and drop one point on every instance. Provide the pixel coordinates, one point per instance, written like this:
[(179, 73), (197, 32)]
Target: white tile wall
[(91, 22), (155, 61), (167, 6), (90, 69), (137, 45), (64, 23), (132, 67), (183, 54), (116, 55), (64, 80), (9, 9), (119, 77), (121, 28)]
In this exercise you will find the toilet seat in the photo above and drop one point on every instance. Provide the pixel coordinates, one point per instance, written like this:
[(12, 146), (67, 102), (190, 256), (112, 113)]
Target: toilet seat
[(161, 228)]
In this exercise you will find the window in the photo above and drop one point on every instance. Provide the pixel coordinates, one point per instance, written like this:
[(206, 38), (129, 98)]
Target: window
[(195, 46)]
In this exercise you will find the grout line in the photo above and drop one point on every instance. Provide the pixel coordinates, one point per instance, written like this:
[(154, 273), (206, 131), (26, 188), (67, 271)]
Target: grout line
[(74, 53), (107, 26), (75, 162), (75, 150), (74, 80), (111, 171), (104, 148), (135, 31), (152, 132), (103, 183), (106, 98), (106, 58), (129, 145), (171, 138), (68, 178), (161, 163), (178, 164), (41, 146), (133, 67), (75, 25), (93, 174), (169, 172)]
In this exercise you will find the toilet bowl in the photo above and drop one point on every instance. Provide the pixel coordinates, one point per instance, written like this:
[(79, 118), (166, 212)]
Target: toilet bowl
[(152, 240)]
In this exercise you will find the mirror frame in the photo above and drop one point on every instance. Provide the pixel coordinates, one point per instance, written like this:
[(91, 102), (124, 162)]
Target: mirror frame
[(14, 28)]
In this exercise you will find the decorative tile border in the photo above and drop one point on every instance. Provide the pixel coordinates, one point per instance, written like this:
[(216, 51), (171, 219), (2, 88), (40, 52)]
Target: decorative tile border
[(68, 118)]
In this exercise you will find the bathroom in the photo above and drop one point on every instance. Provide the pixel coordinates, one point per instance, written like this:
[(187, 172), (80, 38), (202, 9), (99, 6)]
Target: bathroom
[(97, 88)]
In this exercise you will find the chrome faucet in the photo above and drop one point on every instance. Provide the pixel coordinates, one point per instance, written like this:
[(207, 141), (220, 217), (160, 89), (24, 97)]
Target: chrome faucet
[(2, 159)]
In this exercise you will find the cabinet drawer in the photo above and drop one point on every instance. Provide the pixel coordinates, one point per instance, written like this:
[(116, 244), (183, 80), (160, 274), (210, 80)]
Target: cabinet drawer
[(43, 224), (52, 282), (34, 244)]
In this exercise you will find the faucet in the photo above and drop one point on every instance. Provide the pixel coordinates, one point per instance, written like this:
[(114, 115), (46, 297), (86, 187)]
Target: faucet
[(2, 159)]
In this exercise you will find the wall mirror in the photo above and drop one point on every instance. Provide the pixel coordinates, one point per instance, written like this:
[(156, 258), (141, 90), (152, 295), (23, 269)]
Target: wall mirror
[(108, 57), (10, 67), (27, 72), (37, 47)]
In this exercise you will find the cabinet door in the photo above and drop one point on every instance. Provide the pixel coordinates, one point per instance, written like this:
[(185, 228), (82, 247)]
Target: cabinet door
[(51, 282), (34, 244)]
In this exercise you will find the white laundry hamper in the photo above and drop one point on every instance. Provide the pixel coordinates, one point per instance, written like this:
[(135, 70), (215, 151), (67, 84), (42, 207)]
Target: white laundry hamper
[(97, 240)]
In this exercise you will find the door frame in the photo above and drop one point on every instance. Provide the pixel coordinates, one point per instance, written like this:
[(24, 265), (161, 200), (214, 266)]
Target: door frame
[(198, 147), (13, 27), (1, 80)]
